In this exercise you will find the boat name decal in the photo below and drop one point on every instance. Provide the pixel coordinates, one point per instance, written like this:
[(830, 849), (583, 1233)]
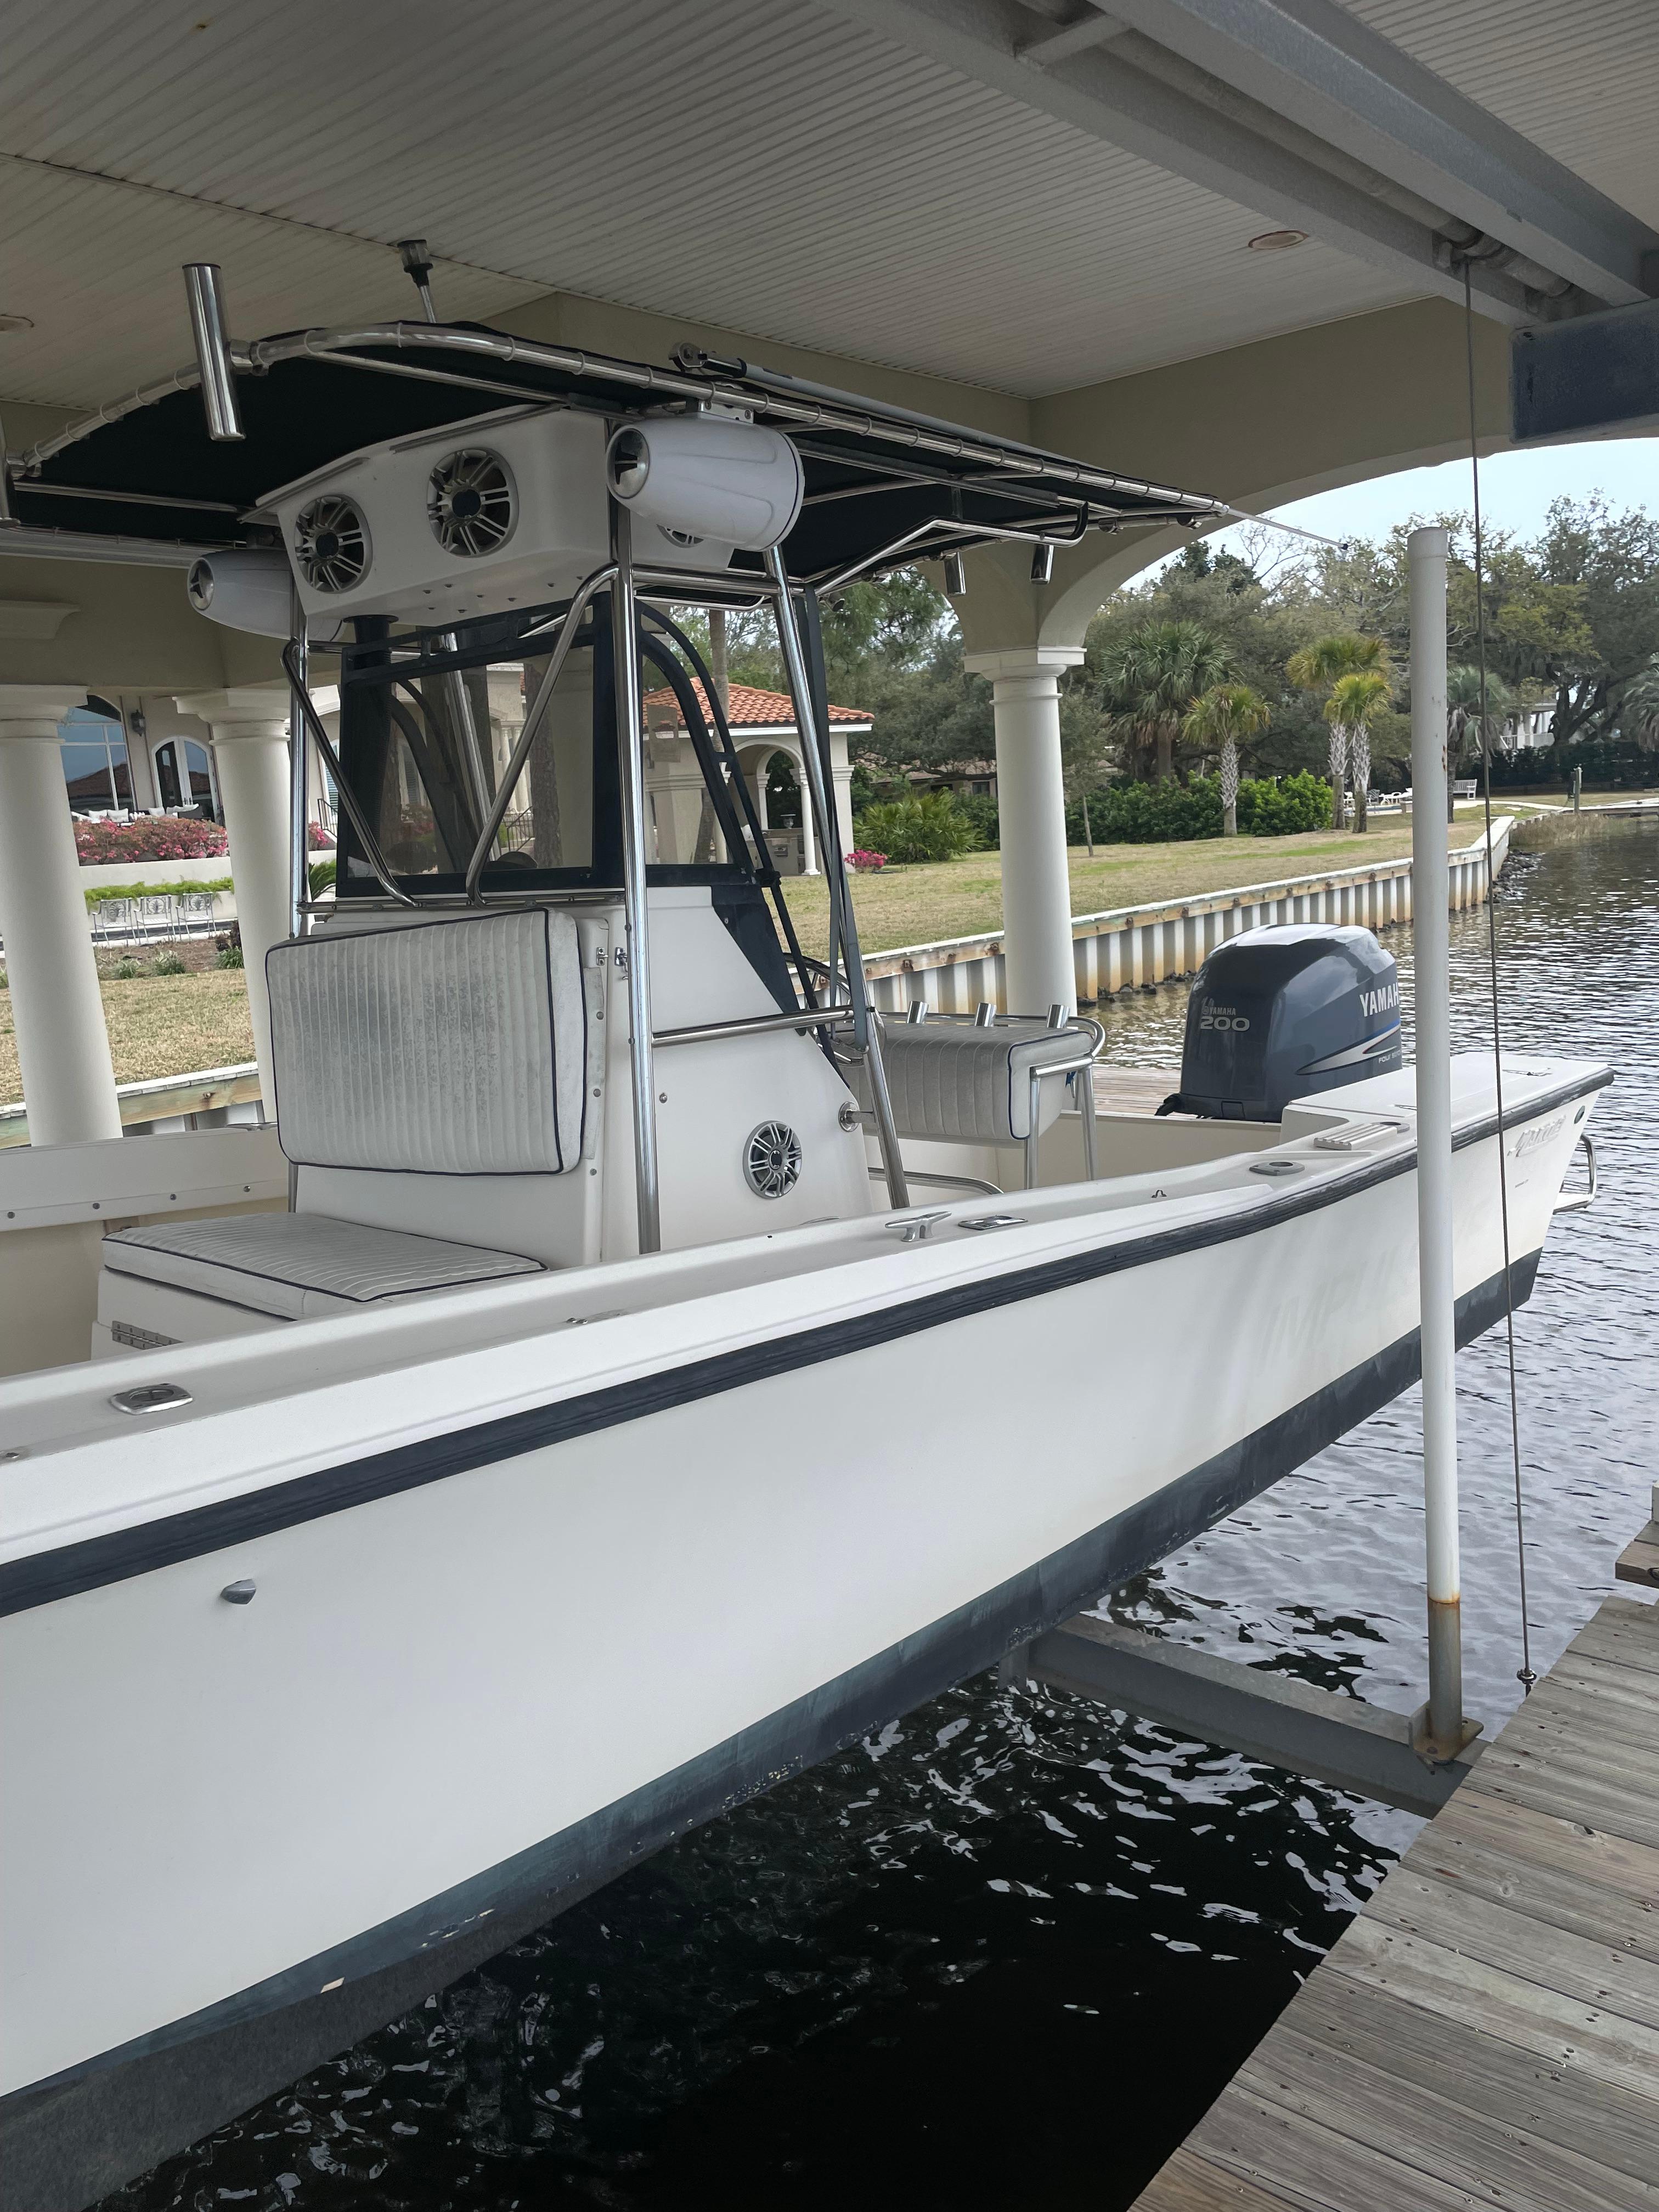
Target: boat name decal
[(1382, 1000), (1535, 1134), (1215, 1017)]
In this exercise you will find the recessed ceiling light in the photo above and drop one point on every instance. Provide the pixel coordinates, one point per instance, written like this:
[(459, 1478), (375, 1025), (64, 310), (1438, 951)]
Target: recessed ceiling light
[(16, 323), (1278, 241)]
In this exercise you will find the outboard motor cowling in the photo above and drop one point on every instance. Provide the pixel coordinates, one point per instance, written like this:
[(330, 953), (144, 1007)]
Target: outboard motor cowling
[(1278, 1013)]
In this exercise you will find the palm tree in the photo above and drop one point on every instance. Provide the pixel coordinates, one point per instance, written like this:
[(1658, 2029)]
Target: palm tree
[(1318, 668), (1224, 714), (1638, 708), (1464, 725), (1355, 700), (1152, 680)]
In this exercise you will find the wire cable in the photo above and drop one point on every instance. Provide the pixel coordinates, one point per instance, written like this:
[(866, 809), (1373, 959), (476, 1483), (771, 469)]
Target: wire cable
[(1524, 1673)]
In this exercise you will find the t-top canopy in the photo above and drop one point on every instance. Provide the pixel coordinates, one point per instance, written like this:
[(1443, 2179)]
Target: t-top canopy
[(883, 485)]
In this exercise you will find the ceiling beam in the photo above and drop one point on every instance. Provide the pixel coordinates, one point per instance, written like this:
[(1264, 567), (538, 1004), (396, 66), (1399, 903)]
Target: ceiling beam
[(1152, 102), (1317, 64)]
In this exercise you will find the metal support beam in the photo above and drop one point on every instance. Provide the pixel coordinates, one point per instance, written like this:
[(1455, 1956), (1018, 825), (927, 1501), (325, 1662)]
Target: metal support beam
[(1318, 65), (1252, 1710), (1141, 92)]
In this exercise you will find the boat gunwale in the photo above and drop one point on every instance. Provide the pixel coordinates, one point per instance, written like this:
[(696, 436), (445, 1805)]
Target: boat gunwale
[(52, 1573)]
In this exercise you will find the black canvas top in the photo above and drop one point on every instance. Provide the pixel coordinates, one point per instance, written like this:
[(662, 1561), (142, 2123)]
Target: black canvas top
[(304, 408)]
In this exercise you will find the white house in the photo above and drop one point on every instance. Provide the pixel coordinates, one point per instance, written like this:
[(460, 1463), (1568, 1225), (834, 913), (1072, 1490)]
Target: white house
[(769, 748)]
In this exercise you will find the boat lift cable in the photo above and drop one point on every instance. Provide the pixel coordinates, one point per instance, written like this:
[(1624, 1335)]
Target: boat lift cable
[(1524, 1673)]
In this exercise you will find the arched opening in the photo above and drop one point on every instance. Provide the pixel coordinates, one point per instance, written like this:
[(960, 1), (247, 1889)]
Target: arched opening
[(185, 781), (96, 771)]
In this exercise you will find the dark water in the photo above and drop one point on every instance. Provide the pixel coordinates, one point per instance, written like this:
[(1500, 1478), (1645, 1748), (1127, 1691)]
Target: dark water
[(1011, 1946)]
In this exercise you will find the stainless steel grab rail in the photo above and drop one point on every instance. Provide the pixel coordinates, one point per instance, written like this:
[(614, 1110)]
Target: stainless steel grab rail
[(809, 1018), (532, 722), (1580, 1199)]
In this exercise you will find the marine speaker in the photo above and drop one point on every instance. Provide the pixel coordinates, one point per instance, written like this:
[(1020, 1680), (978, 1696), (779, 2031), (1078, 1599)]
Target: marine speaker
[(771, 1159), (330, 543), (695, 477), (471, 502), (245, 590)]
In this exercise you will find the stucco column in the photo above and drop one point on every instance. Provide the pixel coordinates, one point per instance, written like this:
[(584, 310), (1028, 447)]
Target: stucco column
[(1037, 898), (249, 729), (840, 784), (68, 1084)]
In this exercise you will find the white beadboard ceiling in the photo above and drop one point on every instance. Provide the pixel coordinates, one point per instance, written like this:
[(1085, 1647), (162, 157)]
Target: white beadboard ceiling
[(1579, 78), (761, 164)]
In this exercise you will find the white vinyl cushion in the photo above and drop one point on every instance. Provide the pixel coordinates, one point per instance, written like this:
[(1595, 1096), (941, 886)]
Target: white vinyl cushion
[(296, 1264), (950, 1081), (449, 1047)]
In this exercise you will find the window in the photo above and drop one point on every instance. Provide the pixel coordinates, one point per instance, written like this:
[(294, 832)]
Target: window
[(184, 778), (94, 754)]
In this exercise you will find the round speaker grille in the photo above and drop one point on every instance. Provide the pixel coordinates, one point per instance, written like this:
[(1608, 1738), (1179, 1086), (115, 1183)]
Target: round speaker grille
[(330, 543), (771, 1159), (470, 502)]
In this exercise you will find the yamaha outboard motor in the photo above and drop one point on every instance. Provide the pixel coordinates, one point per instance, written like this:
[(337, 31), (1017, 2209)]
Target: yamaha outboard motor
[(1276, 1014)]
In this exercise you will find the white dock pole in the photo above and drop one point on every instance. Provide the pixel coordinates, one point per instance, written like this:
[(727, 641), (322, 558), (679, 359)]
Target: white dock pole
[(1430, 951)]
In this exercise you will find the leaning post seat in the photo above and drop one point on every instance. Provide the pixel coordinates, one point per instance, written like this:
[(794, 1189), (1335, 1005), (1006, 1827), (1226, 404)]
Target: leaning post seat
[(444, 1048), (987, 1081), (428, 1075)]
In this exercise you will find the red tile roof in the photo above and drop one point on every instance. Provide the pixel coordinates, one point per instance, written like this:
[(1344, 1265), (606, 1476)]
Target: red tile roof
[(748, 708)]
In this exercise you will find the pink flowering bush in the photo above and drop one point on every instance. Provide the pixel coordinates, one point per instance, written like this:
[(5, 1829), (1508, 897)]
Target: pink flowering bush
[(151, 837), (865, 863)]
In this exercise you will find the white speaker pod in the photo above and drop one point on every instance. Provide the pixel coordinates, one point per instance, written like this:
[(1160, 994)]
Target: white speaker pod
[(695, 477)]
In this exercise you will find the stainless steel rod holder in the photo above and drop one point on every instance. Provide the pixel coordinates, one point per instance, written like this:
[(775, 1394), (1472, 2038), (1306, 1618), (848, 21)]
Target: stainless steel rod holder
[(207, 326)]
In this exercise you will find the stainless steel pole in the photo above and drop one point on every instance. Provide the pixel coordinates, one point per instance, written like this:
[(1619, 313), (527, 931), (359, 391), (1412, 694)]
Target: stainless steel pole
[(1431, 949), (867, 1024), (207, 327), (299, 750), (631, 722)]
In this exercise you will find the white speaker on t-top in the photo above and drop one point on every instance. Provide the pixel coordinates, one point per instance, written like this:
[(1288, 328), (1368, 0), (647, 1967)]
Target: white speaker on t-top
[(690, 477), (504, 511), (245, 590)]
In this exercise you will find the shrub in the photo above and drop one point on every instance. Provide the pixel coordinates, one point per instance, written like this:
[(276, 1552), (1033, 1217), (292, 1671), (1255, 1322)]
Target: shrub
[(323, 873), (1277, 807), (151, 837), (865, 863), (228, 956), (101, 894), (981, 808), (125, 970), (169, 963), (932, 828), (1158, 813)]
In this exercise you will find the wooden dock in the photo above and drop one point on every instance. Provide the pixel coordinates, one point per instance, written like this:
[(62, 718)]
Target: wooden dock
[(1487, 2031)]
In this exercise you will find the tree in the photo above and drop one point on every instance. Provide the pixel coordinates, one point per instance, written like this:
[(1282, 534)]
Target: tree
[(1355, 700), (1149, 682), (1638, 708), (1318, 668), (1464, 728), (1224, 715)]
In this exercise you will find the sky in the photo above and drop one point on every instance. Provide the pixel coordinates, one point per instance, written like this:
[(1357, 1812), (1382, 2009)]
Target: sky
[(1516, 490)]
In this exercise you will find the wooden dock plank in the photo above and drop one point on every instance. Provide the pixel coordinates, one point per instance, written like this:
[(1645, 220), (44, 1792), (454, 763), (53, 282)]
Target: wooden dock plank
[(1487, 2031), (1470, 1824), (1534, 1950), (1567, 1901), (1422, 2052), (1480, 1997), (1639, 1560), (1492, 2157)]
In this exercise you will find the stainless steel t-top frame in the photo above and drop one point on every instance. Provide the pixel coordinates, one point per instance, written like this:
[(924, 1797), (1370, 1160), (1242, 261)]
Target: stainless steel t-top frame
[(847, 992)]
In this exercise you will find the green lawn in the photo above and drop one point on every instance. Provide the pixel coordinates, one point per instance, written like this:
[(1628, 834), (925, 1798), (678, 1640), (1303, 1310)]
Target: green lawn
[(173, 1024), (959, 898)]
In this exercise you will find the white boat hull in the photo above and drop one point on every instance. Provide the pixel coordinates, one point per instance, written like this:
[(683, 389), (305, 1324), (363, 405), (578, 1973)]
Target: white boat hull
[(531, 1599)]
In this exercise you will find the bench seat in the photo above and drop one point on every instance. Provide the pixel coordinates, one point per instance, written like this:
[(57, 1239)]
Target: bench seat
[(296, 1265)]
